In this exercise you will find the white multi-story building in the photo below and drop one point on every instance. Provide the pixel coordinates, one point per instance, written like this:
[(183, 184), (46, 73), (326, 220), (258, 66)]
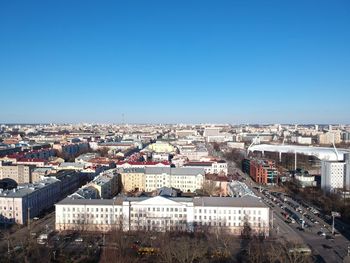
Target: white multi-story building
[(335, 175), (163, 214), (219, 167), (301, 140), (185, 179)]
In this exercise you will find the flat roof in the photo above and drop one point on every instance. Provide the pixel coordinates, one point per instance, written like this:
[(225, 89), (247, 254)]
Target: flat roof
[(247, 201), (175, 171), (322, 153)]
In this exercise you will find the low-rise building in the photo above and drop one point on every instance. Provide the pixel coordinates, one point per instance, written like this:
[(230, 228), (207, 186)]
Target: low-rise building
[(163, 214)]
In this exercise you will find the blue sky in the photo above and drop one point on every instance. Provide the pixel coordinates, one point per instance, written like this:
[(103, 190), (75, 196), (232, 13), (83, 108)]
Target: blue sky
[(175, 61)]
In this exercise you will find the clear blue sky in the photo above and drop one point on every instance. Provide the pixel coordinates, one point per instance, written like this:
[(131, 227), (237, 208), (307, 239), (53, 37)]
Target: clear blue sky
[(175, 61)]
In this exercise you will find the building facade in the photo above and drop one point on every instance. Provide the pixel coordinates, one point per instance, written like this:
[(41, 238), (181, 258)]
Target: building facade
[(219, 167), (185, 179), (133, 179), (261, 171), (335, 175), (27, 201), (107, 184), (163, 214), (20, 173)]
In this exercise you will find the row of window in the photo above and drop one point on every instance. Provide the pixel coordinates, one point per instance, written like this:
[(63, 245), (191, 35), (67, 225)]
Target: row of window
[(96, 209), (160, 209), (228, 211)]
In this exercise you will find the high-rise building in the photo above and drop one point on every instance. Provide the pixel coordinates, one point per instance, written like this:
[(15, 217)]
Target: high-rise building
[(335, 175)]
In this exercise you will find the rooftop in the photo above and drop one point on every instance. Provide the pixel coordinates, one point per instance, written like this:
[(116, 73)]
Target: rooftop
[(174, 171), (26, 189)]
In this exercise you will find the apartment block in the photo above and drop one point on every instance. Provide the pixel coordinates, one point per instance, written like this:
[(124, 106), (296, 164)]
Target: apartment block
[(335, 175), (133, 178), (261, 171), (20, 173), (183, 178), (28, 200), (107, 184), (216, 167)]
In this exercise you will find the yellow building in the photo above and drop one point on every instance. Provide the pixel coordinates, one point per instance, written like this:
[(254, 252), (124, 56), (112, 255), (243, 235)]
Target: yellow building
[(162, 147), (107, 184), (133, 178)]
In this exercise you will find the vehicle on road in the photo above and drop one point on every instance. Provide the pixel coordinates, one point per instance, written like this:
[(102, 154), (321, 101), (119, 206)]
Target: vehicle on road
[(79, 239)]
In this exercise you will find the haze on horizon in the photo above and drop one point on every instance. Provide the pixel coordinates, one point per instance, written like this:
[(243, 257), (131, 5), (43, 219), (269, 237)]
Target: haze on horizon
[(175, 62)]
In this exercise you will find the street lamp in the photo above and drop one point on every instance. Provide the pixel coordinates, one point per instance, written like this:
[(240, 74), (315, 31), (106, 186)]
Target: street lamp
[(334, 214)]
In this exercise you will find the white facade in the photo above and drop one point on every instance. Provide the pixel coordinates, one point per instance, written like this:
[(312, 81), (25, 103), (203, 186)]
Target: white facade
[(163, 214), (185, 179), (301, 140), (210, 167), (335, 175)]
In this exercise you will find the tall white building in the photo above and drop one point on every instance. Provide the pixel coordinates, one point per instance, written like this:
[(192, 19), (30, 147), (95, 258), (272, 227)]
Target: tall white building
[(163, 214), (336, 175)]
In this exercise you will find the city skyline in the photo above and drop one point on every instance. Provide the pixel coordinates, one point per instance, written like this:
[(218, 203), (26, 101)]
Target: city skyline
[(159, 62)]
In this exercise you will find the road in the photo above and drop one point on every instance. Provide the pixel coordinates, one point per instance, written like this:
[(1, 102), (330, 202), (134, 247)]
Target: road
[(329, 250)]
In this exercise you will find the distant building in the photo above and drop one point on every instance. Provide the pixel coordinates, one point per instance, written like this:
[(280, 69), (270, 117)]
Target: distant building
[(71, 149), (185, 133), (211, 131), (161, 147), (72, 166), (212, 167), (301, 140), (235, 145), (194, 152), (329, 137), (163, 214), (20, 173)]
